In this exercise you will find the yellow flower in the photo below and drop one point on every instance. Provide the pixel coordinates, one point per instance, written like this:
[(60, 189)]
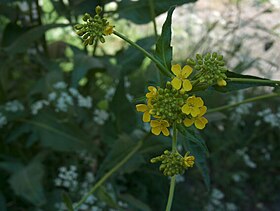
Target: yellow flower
[(152, 93), (146, 109), (108, 30), (198, 121), (221, 82), (189, 161), (181, 76), (159, 126), (192, 106)]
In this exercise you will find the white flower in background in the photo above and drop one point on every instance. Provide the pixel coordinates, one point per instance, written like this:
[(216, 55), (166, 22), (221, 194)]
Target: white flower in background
[(240, 110), (269, 117), (52, 96), (67, 178), (231, 207), (85, 102), (180, 178), (14, 106), (246, 158), (3, 120), (37, 106), (110, 93), (129, 97), (127, 83), (74, 92), (63, 102), (100, 116), (60, 85), (236, 177)]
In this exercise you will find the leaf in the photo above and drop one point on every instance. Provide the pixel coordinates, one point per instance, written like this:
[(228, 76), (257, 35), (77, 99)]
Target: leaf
[(58, 135), (163, 48), (104, 196), (25, 40), (130, 59), (67, 201), (123, 110), (82, 64), (27, 183), (139, 11), (11, 166), (237, 85), (119, 150), (134, 202), (192, 142), (3, 206)]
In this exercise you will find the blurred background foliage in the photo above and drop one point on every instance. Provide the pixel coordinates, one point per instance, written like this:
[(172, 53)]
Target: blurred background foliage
[(67, 112)]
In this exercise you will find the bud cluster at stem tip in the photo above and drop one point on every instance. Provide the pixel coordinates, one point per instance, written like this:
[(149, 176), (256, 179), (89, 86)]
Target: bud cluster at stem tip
[(173, 163), (94, 28), (210, 68)]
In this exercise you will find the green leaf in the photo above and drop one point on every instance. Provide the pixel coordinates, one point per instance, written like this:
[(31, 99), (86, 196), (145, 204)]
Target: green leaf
[(104, 196), (27, 183), (58, 135), (25, 40), (3, 206), (193, 142), (119, 150), (139, 205), (130, 60), (163, 48), (123, 110), (67, 201), (82, 64), (237, 85), (139, 11)]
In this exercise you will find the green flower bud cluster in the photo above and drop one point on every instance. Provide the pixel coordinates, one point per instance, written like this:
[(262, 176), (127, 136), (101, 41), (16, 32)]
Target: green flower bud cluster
[(167, 104), (94, 28), (172, 163), (210, 67)]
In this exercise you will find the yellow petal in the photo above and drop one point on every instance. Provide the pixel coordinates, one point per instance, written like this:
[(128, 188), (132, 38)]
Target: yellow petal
[(200, 123), (164, 123), (191, 100), (156, 130), (187, 70), (186, 109), (221, 82), (195, 111), (176, 69), (188, 122), (189, 161), (176, 83), (187, 85), (203, 110), (146, 116), (165, 131), (198, 102), (108, 30), (155, 123), (142, 107)]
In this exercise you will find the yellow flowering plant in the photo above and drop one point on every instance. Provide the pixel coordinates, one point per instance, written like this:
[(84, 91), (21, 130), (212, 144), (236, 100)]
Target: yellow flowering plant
[(174, 105)]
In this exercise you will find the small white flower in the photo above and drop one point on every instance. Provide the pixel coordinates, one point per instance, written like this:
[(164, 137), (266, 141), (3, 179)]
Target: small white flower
[(74, 92), (100, 116), (3, 120), (52, 96), (85, 102), (14, 106), (217, 194), (110, 93), (37, 106), (60, 85)]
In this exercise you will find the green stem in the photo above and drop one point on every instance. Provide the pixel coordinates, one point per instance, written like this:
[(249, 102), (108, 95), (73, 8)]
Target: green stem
[(253, 80), (150, 56), (243, 102), (173, 178), (108, 174), (153, 16)]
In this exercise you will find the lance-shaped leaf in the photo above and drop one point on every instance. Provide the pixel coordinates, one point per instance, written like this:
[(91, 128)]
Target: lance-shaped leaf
[(163, 47)]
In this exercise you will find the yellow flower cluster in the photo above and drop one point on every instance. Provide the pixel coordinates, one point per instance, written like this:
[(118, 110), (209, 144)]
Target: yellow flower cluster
[(165, 106)]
